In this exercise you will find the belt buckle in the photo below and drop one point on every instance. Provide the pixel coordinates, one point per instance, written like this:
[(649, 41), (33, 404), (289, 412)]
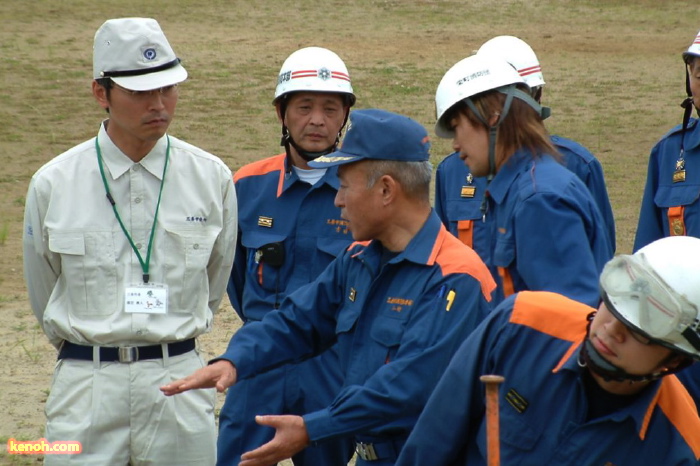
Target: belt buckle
[(366, 451), (128, 354)]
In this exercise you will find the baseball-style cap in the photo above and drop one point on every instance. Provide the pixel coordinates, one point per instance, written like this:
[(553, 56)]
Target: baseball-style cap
[(374, 134), (135, 54)]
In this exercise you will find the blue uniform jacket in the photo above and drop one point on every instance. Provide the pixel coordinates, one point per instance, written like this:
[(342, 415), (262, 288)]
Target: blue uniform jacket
[(533, 340), (546, 232), (396, 328), (671, 208), (459, 207), (275, 206)]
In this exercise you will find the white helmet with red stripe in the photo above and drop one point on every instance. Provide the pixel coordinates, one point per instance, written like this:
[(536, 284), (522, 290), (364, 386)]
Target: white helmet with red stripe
[(693, 51), (314, 69), (519, 54)]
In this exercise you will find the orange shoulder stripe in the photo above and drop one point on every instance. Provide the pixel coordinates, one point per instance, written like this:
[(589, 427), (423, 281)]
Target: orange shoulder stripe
[(678, 406), (454, 257), (562, 318), (261, 167)]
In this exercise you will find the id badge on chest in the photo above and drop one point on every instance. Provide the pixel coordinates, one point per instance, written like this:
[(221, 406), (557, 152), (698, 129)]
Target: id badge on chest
[(146, 298)]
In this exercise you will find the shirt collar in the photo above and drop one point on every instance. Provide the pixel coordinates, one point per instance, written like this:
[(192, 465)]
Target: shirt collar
[(692, 136), (422, 247), (288, 178), (118, 163), (638, 410), (517, 163)]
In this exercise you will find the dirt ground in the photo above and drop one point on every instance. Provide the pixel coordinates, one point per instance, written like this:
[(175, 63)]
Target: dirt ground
[(612, 67)]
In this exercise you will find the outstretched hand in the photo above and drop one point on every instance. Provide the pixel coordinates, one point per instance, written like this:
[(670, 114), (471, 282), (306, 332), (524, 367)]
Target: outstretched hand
[(221, 375), (290, 438)]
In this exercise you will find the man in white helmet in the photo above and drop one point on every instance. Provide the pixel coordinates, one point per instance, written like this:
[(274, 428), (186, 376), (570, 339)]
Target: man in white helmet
[(289, 231), (458, 193), (581, 387)]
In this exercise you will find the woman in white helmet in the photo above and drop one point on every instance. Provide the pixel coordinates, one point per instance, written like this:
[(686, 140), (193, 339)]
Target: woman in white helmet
[(289, 231), (458, 193), (581, 387), (546, 231)]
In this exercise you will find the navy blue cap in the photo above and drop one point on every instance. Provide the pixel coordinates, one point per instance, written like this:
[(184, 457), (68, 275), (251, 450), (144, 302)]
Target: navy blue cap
[(374, 134)]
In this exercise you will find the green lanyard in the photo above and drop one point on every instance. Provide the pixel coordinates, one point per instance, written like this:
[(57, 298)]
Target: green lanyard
[(144, 265)]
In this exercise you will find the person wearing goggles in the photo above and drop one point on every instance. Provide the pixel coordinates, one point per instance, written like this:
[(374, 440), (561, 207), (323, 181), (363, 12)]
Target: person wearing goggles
[(582, 386)]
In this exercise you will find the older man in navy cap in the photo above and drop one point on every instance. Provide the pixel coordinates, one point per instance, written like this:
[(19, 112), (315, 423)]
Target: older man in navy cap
[(398, 302), (128, 246)]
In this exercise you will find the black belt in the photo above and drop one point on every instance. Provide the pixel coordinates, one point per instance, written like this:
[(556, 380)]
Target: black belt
[(124, 353)]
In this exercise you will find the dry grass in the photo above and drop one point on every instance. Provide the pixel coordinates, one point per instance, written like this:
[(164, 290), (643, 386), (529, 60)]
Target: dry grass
[(613, 70)]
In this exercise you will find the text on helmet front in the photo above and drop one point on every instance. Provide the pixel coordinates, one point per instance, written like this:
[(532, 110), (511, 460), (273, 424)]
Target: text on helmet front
[(474, 75)]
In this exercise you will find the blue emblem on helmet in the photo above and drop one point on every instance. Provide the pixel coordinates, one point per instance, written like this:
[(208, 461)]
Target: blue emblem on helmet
[(324, 74), (149, 54)]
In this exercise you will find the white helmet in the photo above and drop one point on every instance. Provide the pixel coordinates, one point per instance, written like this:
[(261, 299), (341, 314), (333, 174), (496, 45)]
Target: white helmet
[(519, 54), (694, 49), (468, 77), (656, 291), (314, 69)]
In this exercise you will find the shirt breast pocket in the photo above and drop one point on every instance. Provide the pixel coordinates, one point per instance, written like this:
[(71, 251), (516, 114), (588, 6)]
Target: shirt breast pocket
[(504, 253), (463, 209), (188, 278), (520, 437), (259, 269), (676, 195), (329, 249), (88, 267), (387, 332), (680, 207)]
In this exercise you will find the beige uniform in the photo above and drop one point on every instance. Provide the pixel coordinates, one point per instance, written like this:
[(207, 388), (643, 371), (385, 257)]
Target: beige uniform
[(78, 264)]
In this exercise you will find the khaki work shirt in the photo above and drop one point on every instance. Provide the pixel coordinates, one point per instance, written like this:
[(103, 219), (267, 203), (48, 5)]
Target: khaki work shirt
[(78, 261)]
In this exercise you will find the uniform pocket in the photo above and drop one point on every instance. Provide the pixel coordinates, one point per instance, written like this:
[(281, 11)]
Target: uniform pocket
[(257, 269), (196, 248), (387, 332), (504, 253), (670, 196), (89, 268)]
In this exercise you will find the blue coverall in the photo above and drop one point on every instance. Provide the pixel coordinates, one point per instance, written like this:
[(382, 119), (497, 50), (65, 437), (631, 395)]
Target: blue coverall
[(543, 230), (459, 206), (296, 231), (533, 339), (671, 208), (396, 326)]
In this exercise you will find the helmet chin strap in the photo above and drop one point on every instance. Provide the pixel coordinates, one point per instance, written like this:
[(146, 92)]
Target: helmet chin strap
[(287, 141), (590, 357)]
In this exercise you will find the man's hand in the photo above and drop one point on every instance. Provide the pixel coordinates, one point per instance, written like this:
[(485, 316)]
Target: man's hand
[(291, 437), (221, 374)]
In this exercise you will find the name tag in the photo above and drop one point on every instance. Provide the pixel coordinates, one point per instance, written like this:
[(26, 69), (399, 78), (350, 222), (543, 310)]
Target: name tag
[(151, 298)]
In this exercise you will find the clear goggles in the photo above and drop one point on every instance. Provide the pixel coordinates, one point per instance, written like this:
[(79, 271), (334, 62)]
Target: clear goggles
[(641, 298)]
